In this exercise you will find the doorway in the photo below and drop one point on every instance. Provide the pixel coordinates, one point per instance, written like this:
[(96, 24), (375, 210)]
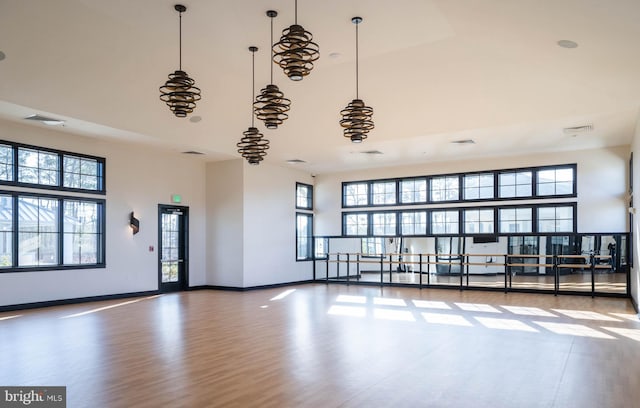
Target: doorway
[(173, 263)]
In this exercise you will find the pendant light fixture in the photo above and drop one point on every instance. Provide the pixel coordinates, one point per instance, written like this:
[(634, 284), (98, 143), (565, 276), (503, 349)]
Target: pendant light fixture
[(271, 106), (179, 92), (296, 52), (356, 117), (253, 145)]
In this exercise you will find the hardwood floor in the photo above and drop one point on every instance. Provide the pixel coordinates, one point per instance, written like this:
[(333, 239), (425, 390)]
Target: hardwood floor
[(323, 345)]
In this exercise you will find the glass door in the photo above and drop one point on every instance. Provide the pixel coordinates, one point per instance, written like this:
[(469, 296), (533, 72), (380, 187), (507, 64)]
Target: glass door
[(173, 263)]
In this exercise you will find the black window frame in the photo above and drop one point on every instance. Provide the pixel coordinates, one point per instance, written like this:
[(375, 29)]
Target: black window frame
[(308, 236), (15, 195), (61, 154), (309, 189)]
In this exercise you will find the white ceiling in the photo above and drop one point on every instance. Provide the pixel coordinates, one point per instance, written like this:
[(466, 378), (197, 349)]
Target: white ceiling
[(434, 72)]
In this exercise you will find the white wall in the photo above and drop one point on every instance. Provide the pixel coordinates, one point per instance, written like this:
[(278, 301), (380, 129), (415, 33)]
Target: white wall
[(137, 179), (635, 247), (225, 220), (601, 179), (269, 239)]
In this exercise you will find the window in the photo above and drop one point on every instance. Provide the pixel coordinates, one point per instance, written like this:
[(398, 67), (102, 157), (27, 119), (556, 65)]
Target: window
[(52, 232), (413, 190), (478, 186), (516, 220), (6, 163), (81, 173), (82, 234), (478, 221), (304, 196), (384, 223), (384, 193), (515, 184), (322, 248), (50, 169), (445, 188), (555, 181), (445, 222), (304, 236), (38, 167), (555, 219), (413, 223), (356, 224), (372, 246), (355, 194)]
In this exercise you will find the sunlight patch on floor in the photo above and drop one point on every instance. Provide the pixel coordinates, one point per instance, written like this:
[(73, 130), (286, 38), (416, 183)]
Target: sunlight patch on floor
[(528, 311), (100, 309), (477, 307), (431, 304), (586, 315), (283, 294), (574, 330), (504, 324), (351, 299), (389, 302), (633, 334), (351, 311), (389, 314), (439, 318)]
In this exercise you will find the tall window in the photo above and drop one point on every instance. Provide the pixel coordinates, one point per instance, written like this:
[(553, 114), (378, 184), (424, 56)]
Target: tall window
[(413, 190), (555, 219), (515, 184), (555, 181), (413, 223), (6, 231), (478, 186), (355, 194), (304, 196), (37, 231), (445, 222), (383, 192), (479, 221), (356, 224), (445, 188), (82, 233), (304, 236), (516, 219)]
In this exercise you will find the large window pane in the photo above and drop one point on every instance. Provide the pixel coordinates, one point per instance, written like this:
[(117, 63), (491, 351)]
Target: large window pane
[(515, 184), (413, 223), (555, 181), (384, 192), (356, 224), (478, 221), (445, 222), (478, 186), (82, 173), (82, 237), (555, 219), (304, 196), (37, 167), (304, 236), (6, 231), (516, 219), (37, 231), (6, 163), (356, 194), (372, 246), (413, 191), (384, 224), (445, 188)]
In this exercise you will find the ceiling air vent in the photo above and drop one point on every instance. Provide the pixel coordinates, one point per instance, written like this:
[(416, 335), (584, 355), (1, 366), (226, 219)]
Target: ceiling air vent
[(373, 152), (46, 120), (295, 161), (578, 129), (192, 152), (463, 141)]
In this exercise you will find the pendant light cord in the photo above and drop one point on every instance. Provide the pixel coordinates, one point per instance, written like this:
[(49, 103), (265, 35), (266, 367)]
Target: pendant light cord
[(357, 61), (296, 10), (253, 84), (271, 47), (180, 36)]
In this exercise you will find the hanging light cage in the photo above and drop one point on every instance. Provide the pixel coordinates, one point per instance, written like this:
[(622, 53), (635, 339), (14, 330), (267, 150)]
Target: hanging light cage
[(271, 106), (296, 52), (179, 92)]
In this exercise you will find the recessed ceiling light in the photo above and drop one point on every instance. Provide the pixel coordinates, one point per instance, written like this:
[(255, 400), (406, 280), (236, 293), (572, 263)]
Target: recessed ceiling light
[(45, 120), (2, 55), (195, 119), (567, 44), (295, 161), (463, 141)]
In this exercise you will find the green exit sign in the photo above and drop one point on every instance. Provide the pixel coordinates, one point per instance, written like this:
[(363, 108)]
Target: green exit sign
[(176, 198)]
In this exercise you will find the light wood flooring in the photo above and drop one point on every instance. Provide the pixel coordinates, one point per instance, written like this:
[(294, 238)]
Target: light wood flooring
[(319, 345)]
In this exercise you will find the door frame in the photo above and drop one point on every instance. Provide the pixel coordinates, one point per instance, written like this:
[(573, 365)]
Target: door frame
[(179, 286)]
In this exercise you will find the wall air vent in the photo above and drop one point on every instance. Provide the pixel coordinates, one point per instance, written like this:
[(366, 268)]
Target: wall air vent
[(578, 129)]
